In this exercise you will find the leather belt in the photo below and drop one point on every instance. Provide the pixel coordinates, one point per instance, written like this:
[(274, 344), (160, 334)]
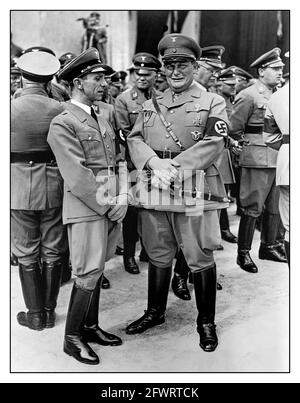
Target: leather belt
[(110, 170), (46, 157), (254, 129), (206, 196), (286, 139), (166, 154)]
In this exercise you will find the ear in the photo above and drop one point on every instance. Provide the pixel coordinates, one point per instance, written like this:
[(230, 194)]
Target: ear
[(77, 83)]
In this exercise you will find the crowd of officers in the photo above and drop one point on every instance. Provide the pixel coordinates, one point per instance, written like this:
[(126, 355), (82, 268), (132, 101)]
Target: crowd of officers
[(79, 130)]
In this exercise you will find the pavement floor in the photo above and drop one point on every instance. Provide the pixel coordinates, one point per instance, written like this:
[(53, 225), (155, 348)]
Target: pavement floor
[(252, 317)]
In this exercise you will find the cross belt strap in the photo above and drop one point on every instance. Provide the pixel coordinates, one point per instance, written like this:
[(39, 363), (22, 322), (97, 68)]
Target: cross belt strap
[(167, 124)]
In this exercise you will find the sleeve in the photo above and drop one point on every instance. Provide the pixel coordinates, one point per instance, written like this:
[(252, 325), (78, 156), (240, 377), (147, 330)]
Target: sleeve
[(71, 160), (139, 151), (271, 133), (242, 110), (206, 151)]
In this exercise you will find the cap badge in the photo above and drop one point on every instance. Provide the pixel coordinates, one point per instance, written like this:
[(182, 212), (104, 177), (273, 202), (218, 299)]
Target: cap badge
[(197, 107), (174, 39), (195, 135), (143, 58)]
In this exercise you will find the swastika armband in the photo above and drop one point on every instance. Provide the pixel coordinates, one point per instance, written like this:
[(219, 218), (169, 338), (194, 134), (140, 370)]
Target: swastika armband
[(216, 127)]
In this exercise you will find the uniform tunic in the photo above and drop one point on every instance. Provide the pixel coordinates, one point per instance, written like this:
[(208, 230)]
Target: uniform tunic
[(257, 161), (86, 155), (163, 231), (36, 188), (276, 126)]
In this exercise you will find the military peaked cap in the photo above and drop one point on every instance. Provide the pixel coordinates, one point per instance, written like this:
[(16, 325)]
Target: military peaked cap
[(227, 76), (238, 71), (269, 59), (66, 58), (87, 62), (38, 64), (145, 61), (174, 46), (212, 55)]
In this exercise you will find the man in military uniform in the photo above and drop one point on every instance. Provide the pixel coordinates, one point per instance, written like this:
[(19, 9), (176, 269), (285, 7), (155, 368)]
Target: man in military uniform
[(128, 105), (94, 204), (36, 190), (209, 64), (277, 135), (177, 135), (258, 163), (15, 80), (161, 83)]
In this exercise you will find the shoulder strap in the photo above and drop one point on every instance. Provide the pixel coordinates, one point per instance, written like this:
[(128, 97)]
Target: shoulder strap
[(166, 124)]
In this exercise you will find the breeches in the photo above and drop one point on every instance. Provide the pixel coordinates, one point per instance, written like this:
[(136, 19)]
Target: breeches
[(37, 235), (258, 190), (91, 244), (164, 232)]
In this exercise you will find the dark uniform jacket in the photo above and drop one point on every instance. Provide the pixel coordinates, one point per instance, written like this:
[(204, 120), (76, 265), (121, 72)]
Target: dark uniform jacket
[(247, 119), (36, 186), (199, 120), (82, 148)]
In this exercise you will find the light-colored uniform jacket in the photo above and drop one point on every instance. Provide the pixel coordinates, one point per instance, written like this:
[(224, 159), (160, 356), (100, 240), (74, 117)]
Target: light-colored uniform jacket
[(84, 148)]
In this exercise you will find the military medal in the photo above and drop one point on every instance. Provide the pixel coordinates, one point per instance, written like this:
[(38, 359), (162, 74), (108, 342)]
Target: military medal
[(195, 135), (197, 122)]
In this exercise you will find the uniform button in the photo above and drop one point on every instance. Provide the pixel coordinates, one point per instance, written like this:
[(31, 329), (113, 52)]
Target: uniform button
[(107, 146), (104, 135), (30, 162), (90, 137), (172, 111)]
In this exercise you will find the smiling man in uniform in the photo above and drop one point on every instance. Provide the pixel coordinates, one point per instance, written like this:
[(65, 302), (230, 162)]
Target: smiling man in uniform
[(197, 127)]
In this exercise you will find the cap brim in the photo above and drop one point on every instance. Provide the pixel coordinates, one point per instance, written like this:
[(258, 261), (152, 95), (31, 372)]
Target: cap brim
[(144, 70), (177, 56)]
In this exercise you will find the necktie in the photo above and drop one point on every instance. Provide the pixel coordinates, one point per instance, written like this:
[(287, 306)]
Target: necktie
[(93, 114)]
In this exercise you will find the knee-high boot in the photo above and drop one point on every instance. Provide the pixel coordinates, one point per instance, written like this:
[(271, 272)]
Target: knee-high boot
[(74, 344), (158, 289), (179, 280), (91, 330), (51, 279), (205, 286), (245, 237), (268, 249), (226, 234), (31, 282)]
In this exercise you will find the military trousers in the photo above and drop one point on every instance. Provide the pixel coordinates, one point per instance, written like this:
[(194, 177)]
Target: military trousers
[(258, 191), (284, 209), (164, 232), (37, 235), (91, 244)]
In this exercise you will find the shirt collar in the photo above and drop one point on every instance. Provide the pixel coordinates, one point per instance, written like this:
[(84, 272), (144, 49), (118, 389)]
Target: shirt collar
[(85, 107)]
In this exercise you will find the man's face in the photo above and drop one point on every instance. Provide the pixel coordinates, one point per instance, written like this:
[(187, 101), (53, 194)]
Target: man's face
[(241, 84), (161, 84), (271, 75), (93, 85), (179, 74), (205, 73), (227, 89), (144, 81)]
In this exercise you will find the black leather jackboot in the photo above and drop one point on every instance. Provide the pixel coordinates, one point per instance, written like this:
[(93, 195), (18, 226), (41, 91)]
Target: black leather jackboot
[(74, 345), (205, 286), (91, 330), (158, 289), (269, 248), (31, 282), (51, 279), (245, 237), (226, 234), (180, 276)]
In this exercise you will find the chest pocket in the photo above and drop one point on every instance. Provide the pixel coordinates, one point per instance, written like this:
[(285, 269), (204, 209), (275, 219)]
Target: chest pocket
[(91, 143), (133, 114), (259, 113)]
